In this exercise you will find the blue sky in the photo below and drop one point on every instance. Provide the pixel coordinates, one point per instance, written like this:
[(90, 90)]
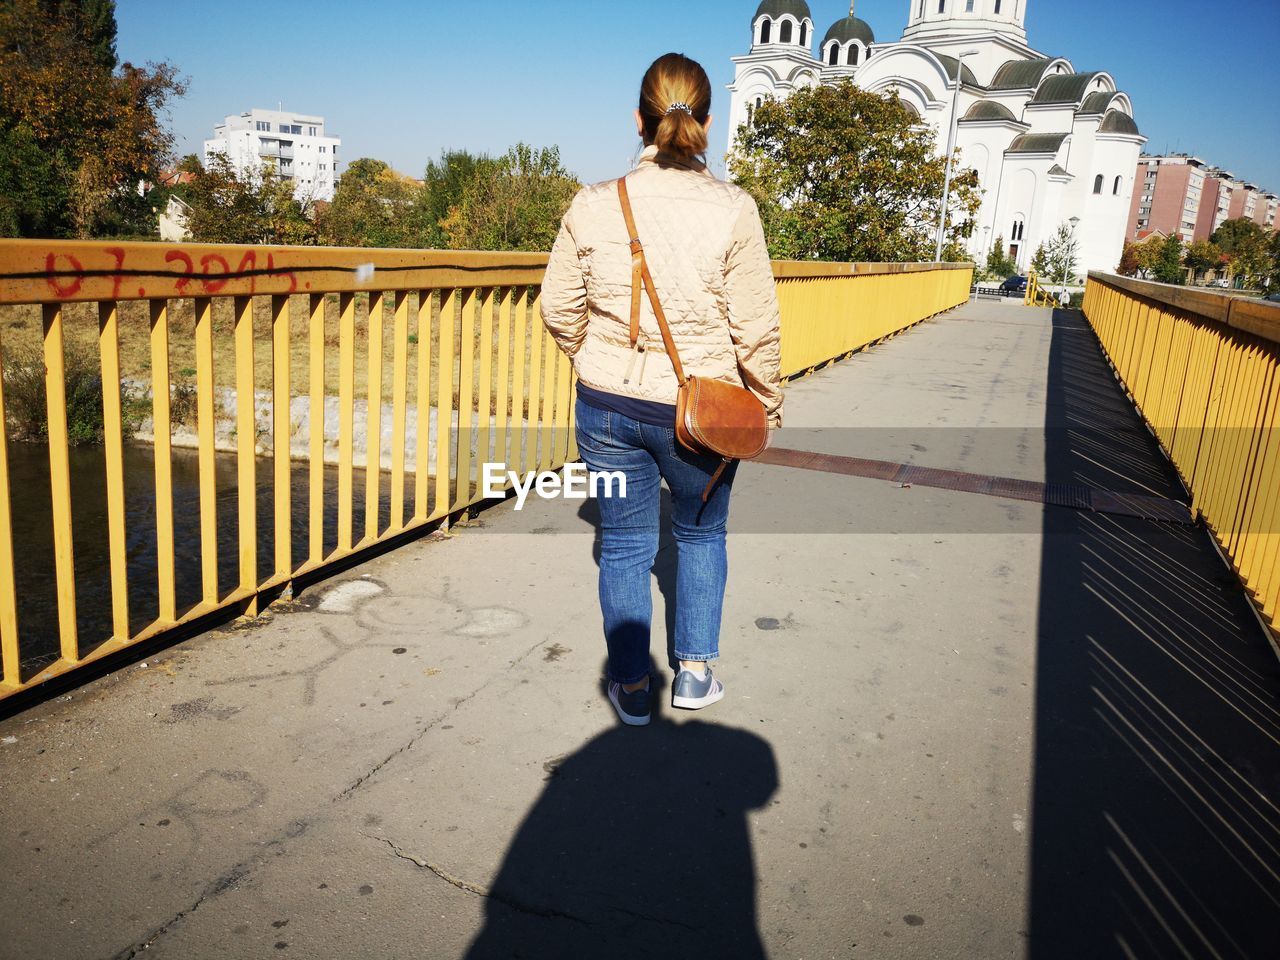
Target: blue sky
[(402, 80)]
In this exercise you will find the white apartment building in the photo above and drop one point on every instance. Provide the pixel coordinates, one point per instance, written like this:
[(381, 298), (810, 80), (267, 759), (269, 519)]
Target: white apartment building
[(1051, 146), (296, 144)]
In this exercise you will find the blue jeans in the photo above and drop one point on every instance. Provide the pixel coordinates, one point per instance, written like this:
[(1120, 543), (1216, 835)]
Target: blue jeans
[(647, 455)]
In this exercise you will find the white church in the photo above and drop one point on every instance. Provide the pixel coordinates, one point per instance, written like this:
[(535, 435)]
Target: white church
[(1050, 145)]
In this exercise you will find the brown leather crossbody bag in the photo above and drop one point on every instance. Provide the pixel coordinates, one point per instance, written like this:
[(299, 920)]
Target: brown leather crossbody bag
[(712, 417)]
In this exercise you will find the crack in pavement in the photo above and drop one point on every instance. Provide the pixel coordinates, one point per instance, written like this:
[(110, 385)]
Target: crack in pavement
[(227, 881), (403, 748), (466, 886)]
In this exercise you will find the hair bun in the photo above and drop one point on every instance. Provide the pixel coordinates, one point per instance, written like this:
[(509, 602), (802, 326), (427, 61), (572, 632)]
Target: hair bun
[(675, 102)]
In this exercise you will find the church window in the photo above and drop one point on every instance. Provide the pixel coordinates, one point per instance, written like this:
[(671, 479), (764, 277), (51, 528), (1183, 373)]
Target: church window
[(784, 32), (804, 34), (766, 30), (968, 6), (942, 6), (852, 57), (833, 54), (1016, 232), (921, 13), (1097, 184), (997, 6), (1115, 190), (759, 102)]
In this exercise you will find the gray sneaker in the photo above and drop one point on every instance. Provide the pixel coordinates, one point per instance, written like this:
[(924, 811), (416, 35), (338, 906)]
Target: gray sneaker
[(692, 692), (633, 708)]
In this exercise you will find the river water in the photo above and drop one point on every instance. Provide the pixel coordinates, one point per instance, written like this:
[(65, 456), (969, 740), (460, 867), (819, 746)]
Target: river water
[(33, 536)]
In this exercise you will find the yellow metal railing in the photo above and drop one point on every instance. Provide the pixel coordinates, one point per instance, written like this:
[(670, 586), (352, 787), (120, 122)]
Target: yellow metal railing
[(1204, 370), (451, 342), (1036, 295)]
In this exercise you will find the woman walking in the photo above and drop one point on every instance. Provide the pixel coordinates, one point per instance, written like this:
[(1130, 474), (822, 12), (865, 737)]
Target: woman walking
[(705, 249)]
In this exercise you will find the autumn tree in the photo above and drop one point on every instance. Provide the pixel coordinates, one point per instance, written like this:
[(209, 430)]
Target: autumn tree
[(372, 207), (1201, 257), (1147, 255), (99, 127), (1245, 249), (1128, 266), (843, 174), (513, 203)]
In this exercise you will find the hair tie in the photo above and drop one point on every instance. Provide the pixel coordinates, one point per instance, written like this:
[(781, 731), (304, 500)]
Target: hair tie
[(679, 105)]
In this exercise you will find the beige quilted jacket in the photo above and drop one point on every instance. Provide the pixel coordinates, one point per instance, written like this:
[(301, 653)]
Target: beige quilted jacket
[(705, 248)]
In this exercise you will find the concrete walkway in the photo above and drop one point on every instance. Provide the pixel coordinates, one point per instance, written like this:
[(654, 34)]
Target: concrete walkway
[(957, 726)]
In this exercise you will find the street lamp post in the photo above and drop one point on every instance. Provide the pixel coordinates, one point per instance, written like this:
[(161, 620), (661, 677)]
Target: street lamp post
[(951, 147)]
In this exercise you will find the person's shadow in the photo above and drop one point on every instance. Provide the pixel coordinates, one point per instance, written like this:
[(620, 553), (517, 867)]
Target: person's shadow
[(638, 847)]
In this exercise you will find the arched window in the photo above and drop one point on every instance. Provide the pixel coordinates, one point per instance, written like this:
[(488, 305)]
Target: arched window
[(804, 34), (1097, 184), (1115, 190), (851, 58), (784, 32), (942, 6), (833, 54), (766, 30), (1018, 228), (759, 102), (997, 6)]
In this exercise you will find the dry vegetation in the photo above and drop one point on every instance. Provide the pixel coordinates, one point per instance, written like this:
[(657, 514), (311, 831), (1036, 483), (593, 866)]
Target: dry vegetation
[(21, 336)]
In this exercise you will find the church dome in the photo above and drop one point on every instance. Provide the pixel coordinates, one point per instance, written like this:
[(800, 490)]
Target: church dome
[(776, 8), (1117, 122), (989, 110), (850, 28)]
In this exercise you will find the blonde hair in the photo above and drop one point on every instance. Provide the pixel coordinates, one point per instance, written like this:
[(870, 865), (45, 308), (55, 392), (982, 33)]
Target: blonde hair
[(675, 101)]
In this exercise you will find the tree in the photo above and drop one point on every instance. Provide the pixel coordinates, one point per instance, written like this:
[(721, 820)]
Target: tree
[(998, 263), (1168, 266), (443, 184), (843, 174), (33, 200), (1128, 266), (1273, 281), (1244, 246), (255, 206), (94, 25), (515, 203), (1148, 255), (1059, 256), (1201, 257), (371, 208), (99, 127), (1040, 262)]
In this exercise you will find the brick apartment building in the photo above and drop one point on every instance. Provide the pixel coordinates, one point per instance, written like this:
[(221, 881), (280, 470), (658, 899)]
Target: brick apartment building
[(1183, 195)]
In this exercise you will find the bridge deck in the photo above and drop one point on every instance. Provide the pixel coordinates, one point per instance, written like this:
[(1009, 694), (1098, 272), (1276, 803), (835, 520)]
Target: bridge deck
[(957, 725)]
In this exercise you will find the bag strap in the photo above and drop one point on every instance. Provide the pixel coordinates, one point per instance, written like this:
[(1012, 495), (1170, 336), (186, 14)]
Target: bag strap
[(640, 276)]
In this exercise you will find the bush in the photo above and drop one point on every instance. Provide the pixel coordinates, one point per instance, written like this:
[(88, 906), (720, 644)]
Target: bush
[(26, 403)]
